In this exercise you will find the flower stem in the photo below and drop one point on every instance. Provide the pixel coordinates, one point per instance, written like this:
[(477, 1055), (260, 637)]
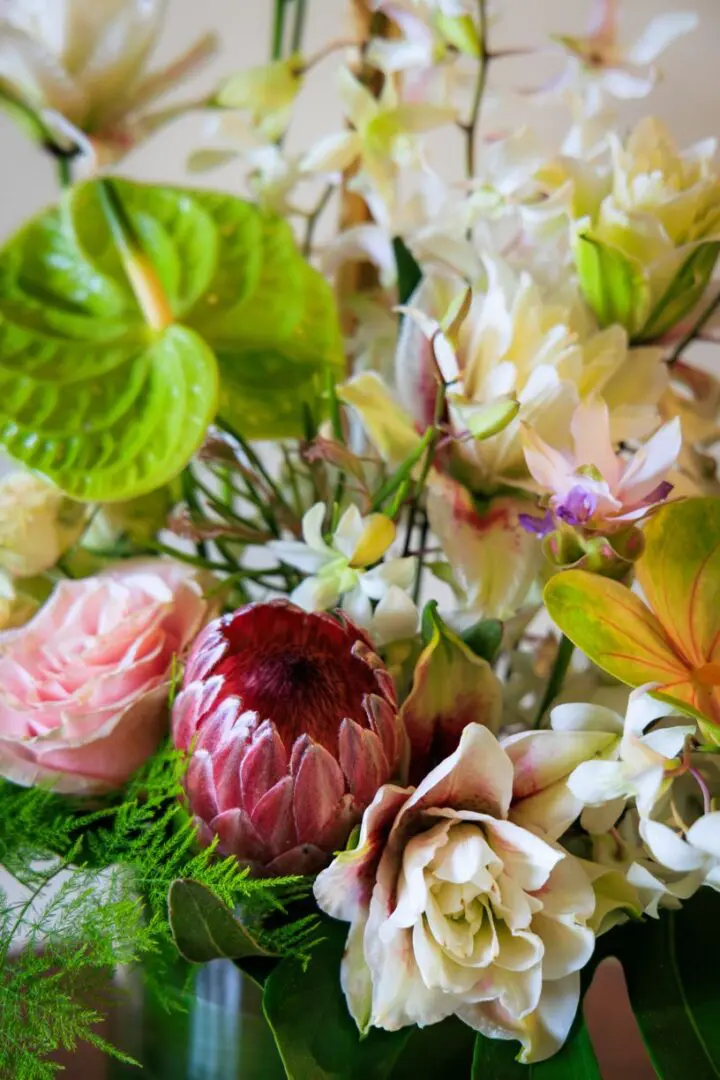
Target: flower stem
[(557, 677), (313, 218), (64, 170), (298, 25), (278, 29), (484, 59)]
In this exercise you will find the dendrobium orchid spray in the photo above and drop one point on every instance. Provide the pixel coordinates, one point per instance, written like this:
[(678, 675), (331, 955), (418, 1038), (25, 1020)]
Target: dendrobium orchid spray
[(360, 597)]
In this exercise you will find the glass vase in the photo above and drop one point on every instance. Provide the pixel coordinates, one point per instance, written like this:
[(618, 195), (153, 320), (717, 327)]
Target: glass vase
[(215, 1031)]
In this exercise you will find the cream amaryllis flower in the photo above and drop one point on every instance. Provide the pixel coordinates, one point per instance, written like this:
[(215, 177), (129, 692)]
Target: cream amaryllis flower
[(86, 62), (344, 572), (598, 63), (456, 910), (594, 487), (382, 135)]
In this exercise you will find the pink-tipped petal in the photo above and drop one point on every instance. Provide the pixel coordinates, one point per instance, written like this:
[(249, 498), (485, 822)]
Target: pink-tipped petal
[(319, 787)]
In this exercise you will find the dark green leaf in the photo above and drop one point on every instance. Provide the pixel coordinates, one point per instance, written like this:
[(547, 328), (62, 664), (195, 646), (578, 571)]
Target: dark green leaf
[(316, 1036), (484, 638), (204, 928), (440, 1050), (495, 1059), (671, 967), (408, 271), (110, 407)]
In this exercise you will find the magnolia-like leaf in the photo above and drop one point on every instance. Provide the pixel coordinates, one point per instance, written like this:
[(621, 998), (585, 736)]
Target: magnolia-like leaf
[(613, 627), (206, 929), (110, 401), (683, 293), (452, 687), (314, 1032), (613, 286)]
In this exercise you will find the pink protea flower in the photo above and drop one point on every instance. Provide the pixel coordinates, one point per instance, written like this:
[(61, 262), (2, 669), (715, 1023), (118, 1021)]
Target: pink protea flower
[(291, 722)]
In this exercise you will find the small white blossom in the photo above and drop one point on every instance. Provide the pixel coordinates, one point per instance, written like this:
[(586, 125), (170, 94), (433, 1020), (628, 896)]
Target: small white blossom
[(348, 572)]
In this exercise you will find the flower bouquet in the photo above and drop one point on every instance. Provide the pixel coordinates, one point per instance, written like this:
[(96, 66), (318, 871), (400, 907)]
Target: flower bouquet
[(361, 595)]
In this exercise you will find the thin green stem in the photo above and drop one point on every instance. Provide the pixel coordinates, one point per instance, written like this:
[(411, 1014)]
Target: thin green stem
[(557, 677), (298, 25), (694, 330), (313, 218), (424, 529), (471, 127), (278, 29), (434, 439), (64, 170), (257, 464), (292, 479)]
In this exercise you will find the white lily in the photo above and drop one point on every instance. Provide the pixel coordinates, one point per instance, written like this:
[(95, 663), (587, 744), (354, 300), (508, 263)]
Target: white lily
[(348, 572), (86, 63)]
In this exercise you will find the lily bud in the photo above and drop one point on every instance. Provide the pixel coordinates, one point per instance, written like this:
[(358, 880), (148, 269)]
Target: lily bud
[(291, 724)]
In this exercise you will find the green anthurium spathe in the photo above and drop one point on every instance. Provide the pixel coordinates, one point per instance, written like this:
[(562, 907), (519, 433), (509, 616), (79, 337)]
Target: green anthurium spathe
[(674, 643), (127, 322), (452, 687)]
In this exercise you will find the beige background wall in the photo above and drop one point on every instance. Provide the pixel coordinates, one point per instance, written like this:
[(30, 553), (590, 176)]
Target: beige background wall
[(688, 99)]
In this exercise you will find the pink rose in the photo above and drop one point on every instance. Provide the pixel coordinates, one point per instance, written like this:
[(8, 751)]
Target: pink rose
[(84, 685)]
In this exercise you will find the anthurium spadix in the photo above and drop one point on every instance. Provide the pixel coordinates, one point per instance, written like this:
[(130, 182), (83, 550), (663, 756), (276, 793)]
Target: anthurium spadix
[(673, 641)]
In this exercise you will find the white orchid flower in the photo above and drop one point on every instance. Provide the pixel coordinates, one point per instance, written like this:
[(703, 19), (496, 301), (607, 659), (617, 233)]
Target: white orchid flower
[(594, 487), (85, 63), (383, 133), (639, 765), (698, 852), (599, 64), (348, 572)]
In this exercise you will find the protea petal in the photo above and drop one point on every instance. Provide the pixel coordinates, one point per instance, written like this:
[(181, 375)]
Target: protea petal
[(291, 724)]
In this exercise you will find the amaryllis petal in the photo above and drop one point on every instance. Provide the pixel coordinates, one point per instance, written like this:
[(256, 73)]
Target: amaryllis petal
[(477, 776), (390, 429), (452, 687)]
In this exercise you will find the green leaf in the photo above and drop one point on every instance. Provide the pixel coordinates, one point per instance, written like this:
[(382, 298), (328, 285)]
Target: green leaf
[(408, 271), (613, 286), (108, 406), (315, 1034), (440, 1050), (484, 638), (206, 929), (495, 1059), (671, 967), (683, 293)]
